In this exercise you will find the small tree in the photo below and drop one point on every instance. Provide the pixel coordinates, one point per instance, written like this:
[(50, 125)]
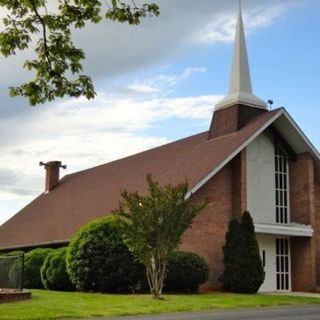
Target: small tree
[(231, 254), (254, 275), (243, 271), (153, 226)]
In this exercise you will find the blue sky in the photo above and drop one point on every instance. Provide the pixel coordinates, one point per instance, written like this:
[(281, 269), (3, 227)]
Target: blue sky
[(157, 83)]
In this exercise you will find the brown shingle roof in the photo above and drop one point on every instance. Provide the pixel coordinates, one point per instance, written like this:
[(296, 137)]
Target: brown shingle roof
[(89, 194)]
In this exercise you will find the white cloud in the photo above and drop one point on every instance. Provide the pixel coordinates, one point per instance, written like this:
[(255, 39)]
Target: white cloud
[(141, 88), (85, 133), (222, 27), (163, 83), (113, 49), (173, 80)]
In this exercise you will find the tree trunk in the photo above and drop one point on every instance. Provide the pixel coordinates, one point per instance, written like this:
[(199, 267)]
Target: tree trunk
[(155, 276)]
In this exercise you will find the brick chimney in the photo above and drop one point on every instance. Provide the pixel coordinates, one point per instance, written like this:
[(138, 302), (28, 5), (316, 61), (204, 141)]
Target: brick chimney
[(52, 173), (232, 119)]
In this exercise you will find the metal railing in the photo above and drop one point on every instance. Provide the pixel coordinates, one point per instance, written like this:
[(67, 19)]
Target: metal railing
[(11, 271)]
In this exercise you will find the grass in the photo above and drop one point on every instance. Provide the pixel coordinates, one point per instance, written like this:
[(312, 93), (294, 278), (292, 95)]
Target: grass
[(55, 305)]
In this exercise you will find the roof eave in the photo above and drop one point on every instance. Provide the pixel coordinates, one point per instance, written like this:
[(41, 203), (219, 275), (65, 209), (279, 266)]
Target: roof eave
[(41, 244), (310, 148)]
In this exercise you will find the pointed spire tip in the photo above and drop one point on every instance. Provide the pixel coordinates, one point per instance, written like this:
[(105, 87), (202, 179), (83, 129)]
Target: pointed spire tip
[(240, 90)]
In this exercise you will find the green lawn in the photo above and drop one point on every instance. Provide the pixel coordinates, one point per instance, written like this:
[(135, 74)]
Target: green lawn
[(55, 305)]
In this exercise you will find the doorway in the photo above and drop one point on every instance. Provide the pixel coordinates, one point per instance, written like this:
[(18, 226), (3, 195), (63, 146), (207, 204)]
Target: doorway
[(283, 264), (275, 257)]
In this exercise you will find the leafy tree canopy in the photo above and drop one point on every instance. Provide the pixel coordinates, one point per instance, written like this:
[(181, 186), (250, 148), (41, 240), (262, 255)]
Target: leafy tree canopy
[(154, 224), (45, 26)]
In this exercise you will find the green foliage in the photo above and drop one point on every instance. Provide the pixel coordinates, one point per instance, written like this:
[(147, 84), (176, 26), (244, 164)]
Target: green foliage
[(153, 225), (185, 272), (58, 62), (11, 269), (33, 262), (243, 267), (98, 260), (232, 253), (54, 274), (254, 276), (14, 253)]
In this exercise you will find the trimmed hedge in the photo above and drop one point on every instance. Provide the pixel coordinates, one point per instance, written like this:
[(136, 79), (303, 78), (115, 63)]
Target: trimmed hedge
[(186, 271), (54, 274), (98, 260), (33, 262)]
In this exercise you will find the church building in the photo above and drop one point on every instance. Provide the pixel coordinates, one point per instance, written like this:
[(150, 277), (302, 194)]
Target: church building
[(251, 158)]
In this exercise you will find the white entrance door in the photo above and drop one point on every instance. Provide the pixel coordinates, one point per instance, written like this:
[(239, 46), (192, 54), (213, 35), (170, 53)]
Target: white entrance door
[(283, 264), (275, 257), (267, 246)]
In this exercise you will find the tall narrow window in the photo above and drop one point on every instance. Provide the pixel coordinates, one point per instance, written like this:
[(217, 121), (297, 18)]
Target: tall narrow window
[(281, 183), (283, 264)]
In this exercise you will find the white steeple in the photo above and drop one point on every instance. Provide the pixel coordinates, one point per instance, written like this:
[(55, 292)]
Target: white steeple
[(240, 90)]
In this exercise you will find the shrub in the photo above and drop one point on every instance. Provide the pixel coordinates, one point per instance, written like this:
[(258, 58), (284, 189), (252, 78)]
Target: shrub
[(243, 267), (185, 272), (54, 274), (98, 259), (254, 275), (33, 262), (231, 255), (10, 270)]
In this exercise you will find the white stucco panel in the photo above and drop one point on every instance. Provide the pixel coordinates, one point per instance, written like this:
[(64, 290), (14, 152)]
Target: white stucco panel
[(261, 179), (267, 248)]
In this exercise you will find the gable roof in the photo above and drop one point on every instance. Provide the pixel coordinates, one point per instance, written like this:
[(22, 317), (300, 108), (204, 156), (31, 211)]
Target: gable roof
[(288, 129), (80, 197)]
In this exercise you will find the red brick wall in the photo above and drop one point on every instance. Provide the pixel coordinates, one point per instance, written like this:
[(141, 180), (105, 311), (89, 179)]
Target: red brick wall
[(302, 189), (207, 234), (226, 193), (317, 229), (302, 266), (239, 184), (302, 210), (231, 119)]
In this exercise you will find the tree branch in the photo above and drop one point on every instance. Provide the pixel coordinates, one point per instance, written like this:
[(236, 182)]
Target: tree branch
[(44, 34)]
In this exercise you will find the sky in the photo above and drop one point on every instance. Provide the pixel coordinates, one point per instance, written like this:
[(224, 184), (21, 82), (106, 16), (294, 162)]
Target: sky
[(156, 83)]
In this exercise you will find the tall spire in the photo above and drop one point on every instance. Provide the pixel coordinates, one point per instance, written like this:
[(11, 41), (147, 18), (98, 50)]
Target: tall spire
[(240, 90), (240, 76)]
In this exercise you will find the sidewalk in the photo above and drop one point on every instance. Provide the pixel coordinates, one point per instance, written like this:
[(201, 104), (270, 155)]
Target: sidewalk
[(273, 313), (296, 294)]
